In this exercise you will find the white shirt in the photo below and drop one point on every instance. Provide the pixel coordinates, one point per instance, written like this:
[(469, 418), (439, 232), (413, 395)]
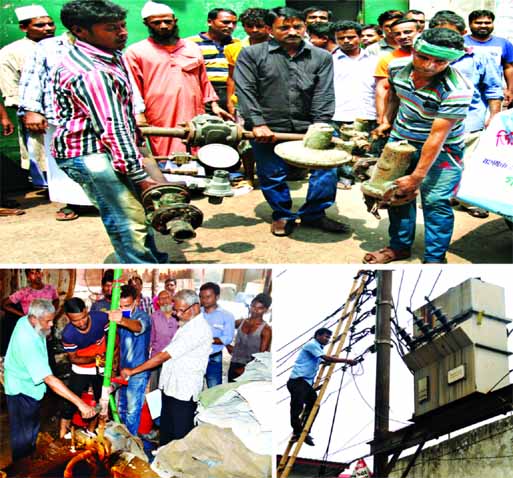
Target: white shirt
[(182, 375), (355, 88)]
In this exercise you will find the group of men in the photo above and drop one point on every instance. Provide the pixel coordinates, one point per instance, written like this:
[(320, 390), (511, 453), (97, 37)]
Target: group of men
[(293, 69), (174, 344)]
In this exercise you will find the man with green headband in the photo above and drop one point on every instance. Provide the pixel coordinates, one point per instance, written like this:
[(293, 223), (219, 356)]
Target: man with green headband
[(427, 104)]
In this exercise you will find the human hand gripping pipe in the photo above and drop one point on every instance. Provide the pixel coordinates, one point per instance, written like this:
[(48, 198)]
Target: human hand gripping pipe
[(109, 358)]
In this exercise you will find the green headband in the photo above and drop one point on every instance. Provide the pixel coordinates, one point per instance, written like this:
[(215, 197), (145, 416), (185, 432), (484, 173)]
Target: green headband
[(444, 52)]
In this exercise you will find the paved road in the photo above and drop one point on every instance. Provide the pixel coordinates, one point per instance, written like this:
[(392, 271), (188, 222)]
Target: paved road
[(237, 232)]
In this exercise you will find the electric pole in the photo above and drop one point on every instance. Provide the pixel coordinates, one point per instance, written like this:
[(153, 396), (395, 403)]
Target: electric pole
[(383, 346)]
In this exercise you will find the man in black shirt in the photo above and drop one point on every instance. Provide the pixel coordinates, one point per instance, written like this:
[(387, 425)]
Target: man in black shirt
[(285, 85)]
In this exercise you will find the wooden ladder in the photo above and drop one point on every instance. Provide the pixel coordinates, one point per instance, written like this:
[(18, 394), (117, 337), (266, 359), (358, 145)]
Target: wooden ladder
[(325, 372)]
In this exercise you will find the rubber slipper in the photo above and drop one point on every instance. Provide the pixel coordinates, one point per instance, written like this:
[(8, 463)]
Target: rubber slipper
[(67, 214), (386, 255), (282, 227), (4, 211), (475, 212)]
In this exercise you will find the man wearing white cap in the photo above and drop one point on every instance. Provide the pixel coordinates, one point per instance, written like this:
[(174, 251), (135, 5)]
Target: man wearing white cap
[(37, 25), (170, 74)]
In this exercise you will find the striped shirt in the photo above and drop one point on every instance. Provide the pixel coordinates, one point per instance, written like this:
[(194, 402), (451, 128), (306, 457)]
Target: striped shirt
[(448, 96), (94, 109), (215, 59)]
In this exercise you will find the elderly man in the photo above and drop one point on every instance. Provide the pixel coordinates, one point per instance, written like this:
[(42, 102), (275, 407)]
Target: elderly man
[(222, 323), (35, 23), (265, 74), (428, 102), (134, 330), (83, 338), (96, 140), (221, 24), (170, 75), (185, 360), (28, 374)]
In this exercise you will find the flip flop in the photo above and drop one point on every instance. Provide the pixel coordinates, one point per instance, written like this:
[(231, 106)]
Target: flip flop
[(68, 214), (282, 227), (4, 211), (475, 211), (386, 255)]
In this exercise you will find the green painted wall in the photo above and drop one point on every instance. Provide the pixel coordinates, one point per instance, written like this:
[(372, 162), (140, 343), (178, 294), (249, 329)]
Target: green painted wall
[(192, 15), (373, 8)]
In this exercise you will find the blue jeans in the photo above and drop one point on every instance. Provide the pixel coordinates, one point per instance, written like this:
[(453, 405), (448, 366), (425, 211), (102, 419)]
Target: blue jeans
[(435, 193), (120, 209), (131, 401), (214, 373), (272, 174), (23, 424)]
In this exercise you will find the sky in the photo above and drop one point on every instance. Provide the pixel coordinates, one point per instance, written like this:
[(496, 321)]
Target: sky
[(303, 296)]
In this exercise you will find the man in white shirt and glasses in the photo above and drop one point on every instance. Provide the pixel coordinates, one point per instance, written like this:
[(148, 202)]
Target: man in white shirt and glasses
[(184, 362)]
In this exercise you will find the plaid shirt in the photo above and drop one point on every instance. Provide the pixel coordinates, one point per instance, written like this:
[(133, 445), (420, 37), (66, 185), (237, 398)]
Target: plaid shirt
[(36, 87), (94, 108), (146, 304)]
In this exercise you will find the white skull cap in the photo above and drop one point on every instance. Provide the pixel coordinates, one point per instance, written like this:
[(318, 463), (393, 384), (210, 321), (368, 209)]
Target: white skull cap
[(154, 8), (29, 12)]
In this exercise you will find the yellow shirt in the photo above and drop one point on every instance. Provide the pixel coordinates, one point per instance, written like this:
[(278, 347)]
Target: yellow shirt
[(231, 52)]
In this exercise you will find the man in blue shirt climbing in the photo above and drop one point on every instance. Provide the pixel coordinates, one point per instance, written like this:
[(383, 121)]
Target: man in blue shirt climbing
[(300, 384)]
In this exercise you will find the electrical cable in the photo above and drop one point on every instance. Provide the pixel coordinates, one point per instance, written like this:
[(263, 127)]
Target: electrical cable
[(434, 285), (415, 288)]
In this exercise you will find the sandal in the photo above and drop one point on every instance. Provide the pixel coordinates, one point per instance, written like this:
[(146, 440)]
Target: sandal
[(282, 227), (66, 214), (475, 211), (5, 211), (386, 255)]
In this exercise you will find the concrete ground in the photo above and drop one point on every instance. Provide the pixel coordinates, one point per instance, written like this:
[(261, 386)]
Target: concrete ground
[(238, 232)]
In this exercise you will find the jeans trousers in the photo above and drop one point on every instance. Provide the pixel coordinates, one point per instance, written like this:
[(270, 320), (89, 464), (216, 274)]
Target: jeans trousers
[(121, 211), (436, 191), (131, 401), (302, 400), (23, 424), (176, 419), (214, 373), (272, 175)]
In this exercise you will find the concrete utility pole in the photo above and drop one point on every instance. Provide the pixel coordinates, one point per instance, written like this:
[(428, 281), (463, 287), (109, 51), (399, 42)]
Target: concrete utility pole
[(383, 346)]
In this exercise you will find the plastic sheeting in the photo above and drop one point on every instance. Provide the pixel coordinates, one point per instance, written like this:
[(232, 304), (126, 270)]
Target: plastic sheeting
[(210, 452)]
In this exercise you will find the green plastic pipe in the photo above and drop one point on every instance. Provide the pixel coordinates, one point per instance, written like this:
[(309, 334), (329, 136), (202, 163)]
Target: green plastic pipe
[(111, 344)]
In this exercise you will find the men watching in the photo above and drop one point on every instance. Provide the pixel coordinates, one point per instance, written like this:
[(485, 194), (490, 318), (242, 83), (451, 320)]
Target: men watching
[(418, 16), (36, 289), (353, 80), (222, 323), (388, 43), (371, 34), (404, 31), (142, 301), (428, 102), (184, 364), (170, 75), (253, 336), (317, 15), (287, 67), (95, 142), (501, 49), (134, 329), (322, 35), (300, 383), (35, 23), (27, 374), (84, 340), (221, 24), (103, 304)]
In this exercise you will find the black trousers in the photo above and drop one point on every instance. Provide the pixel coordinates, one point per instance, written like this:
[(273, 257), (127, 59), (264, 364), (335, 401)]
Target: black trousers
[(176, 418), (302, 400), (23, 424), (78, 384)]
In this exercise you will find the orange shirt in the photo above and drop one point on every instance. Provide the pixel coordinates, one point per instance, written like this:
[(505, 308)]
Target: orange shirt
[(385, 60)]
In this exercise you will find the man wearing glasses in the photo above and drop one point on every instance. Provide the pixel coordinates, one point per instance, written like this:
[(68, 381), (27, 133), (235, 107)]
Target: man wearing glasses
[(184, 362)]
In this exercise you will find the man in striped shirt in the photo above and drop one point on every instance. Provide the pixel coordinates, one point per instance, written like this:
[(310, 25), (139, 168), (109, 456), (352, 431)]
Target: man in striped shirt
[(96, 138), (221, 23), (429, 101)]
